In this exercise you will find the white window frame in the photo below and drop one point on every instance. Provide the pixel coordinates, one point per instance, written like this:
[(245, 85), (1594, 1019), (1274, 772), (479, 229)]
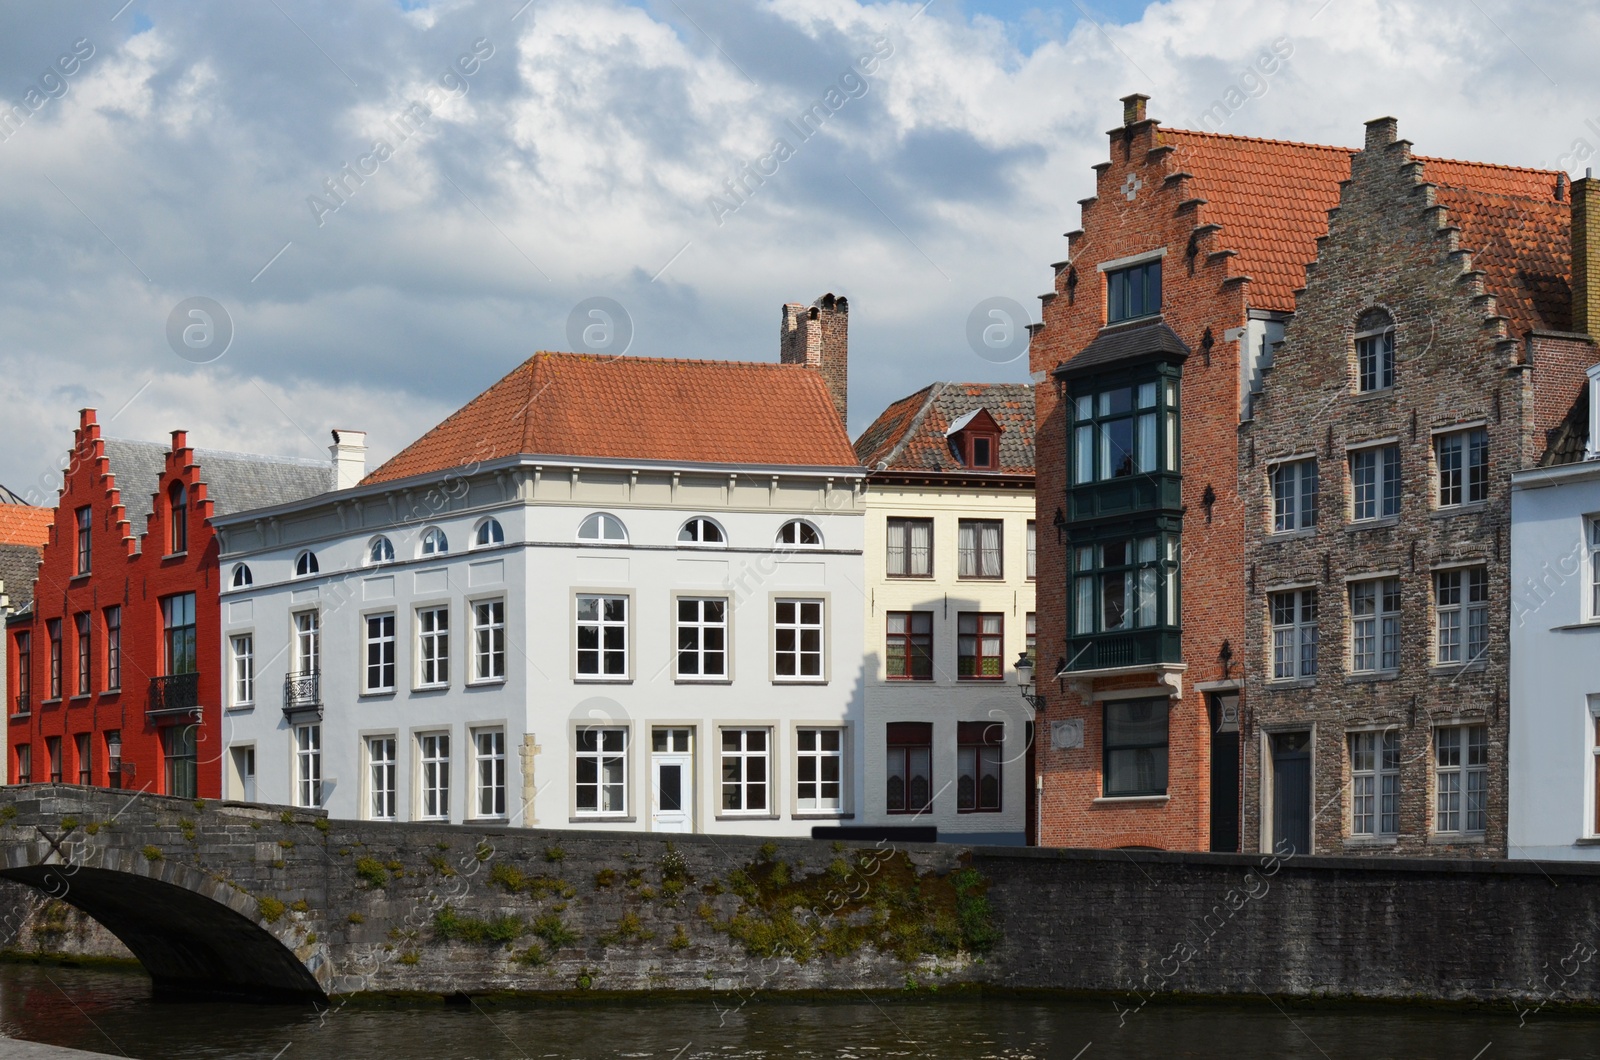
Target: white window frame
[(306, 565), (794, 632), (241, 576), (602, 625), (811, 750), (434, 542), (1454, 781), (597, 528), (1592, 526), (1291, 639), (1382, 473), (380, 550), (307, 641), (1296, 489), (703, 532), (489, 773), (698, 627), (602, 755), (242, 669), (1374, 783), (1384, 623), (488, 533), (381, 641), (1032, 539), (488, 640), (308, 765), (433, 646), (1457, 616), (433, 775), (790, 534), (742, 759), (383, 772), (1462, 486)]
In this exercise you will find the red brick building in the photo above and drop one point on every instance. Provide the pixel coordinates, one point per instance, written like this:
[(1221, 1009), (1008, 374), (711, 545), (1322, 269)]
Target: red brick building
[(1181, 276), (114, 672)]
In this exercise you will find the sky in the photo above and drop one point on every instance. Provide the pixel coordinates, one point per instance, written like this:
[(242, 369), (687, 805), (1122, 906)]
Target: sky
[(385, 205)]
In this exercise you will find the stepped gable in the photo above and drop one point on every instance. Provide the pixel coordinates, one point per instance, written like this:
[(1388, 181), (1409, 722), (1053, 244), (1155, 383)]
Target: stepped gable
[(637, 408), (910, 435)]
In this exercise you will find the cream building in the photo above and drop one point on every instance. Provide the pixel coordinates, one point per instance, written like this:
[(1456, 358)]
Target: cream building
[(949, 543)]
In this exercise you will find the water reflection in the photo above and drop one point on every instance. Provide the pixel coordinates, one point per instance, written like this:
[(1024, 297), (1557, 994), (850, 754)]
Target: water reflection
[(110, 1011)]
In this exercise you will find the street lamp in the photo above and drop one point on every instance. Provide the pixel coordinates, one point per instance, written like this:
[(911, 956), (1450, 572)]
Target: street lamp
[(1024, 668)]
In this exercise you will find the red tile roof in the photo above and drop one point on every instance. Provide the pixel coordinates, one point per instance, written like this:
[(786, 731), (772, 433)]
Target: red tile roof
[(21, 524), (910, 434), (1271, 198), (638, 408)]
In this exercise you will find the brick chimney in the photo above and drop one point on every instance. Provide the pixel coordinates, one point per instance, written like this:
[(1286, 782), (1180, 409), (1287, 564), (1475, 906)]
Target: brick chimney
[(1133, 108), (818, 336), (349, 451), (1586, 255)]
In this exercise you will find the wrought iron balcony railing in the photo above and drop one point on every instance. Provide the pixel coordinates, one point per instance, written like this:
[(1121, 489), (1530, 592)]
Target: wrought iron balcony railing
[(302, 693), (173, 694), (23, 706)]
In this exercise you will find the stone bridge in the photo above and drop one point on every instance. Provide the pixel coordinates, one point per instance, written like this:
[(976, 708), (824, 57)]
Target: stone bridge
[(274, 903)]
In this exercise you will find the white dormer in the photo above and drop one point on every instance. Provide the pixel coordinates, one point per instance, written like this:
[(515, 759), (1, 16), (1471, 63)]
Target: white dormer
[(1591, 450)]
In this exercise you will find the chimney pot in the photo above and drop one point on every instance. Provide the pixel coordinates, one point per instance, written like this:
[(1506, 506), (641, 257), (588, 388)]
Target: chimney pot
[(1381, 132), (349, 450)]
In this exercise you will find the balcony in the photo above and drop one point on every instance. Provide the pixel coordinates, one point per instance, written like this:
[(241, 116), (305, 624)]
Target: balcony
[(302, 693), (1116, 651), (1156, 491), (173, 696)]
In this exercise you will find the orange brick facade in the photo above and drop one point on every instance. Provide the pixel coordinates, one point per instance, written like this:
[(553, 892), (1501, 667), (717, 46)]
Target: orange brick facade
[(1145, 201), (134, 575)]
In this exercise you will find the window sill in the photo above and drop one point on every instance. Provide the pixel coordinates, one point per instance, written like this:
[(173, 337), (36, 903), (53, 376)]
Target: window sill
[(1369, 842), (897, 680), (1130, 800), (56, 702), (1456, 669), (747, 817), (1471, 508), (80, 576), (1291, 535), (996, 809), (80, 695), (702, 680), (1289, 684), (980, 577), (1588, 623), (241, 708), (486, 682), (497, 818), (602, 818), (981, 680), (1456, 839), (374, 693), (430, 688), (910, 577), (839, 815), (176, 555), (21, 715), (1380, 392), (117, 691), (582, 680), (1379, 523), (1587, 841), (1367, 678)]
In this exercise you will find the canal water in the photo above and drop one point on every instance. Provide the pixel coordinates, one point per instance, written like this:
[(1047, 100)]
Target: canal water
[(110, 1011)]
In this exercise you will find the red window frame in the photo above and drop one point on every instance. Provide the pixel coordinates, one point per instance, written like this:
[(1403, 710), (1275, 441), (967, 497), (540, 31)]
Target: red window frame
[(178, 514), (979, 746), (910, 761), (53, 628), (85, 518), (80, 623), (52, 750), (980, 652), (24, 645), (910, 649)]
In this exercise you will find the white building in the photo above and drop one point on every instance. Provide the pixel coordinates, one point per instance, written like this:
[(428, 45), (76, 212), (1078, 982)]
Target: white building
[(1554, 760), (611, 593), (949, 608)]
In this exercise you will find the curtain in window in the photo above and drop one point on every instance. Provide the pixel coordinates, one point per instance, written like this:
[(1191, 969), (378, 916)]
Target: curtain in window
[(921, 547), (1147, 441), (990, 560), (967, 550)]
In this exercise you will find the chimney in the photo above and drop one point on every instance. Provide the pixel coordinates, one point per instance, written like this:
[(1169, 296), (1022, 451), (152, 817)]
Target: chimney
[(1133, 108), (349, 451), (818, 336), (1381, 132), (1586, 255)]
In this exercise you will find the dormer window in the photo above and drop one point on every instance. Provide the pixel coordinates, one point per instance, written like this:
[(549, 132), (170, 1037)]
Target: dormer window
[(1134, 291), (975, 441)]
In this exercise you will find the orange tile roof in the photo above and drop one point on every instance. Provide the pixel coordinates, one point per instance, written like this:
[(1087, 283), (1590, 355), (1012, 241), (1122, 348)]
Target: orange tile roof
[(1271, 198), (21, 524), (638, 408), (910, 434)]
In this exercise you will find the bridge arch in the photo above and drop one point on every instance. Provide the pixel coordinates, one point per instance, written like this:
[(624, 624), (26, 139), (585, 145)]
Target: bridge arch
[(196, 936)]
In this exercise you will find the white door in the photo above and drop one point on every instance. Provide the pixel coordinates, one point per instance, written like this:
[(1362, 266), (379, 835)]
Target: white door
[(671, 781)]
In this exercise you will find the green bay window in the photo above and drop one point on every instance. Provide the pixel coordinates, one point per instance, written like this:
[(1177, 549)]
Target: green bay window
[(1125, 430), (1125, 584)]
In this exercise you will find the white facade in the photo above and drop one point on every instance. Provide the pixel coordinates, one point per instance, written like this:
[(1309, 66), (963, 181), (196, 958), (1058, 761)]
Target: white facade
[(533, 735), (1554, 759), (946, 694)]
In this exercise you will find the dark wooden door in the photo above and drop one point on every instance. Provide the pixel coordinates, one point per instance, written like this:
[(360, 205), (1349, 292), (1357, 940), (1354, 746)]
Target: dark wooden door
[(1291, 793), (1224, 773)]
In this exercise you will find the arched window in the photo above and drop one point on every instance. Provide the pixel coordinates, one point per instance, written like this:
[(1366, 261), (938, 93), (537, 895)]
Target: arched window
[(380, 551), (797, 533), (603, 527), (242, 576), (1374, 351), (306, 565), (178, 517), (701, 531), (489, 533), (434, 543)]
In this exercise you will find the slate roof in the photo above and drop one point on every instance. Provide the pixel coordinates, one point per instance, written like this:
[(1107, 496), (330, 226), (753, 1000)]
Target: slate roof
[(1131, 342), (19, 566), (1568, 440), (235, 482), (9, 497), (22, 524), (910, 435), (1271, 198), (638, 408)]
